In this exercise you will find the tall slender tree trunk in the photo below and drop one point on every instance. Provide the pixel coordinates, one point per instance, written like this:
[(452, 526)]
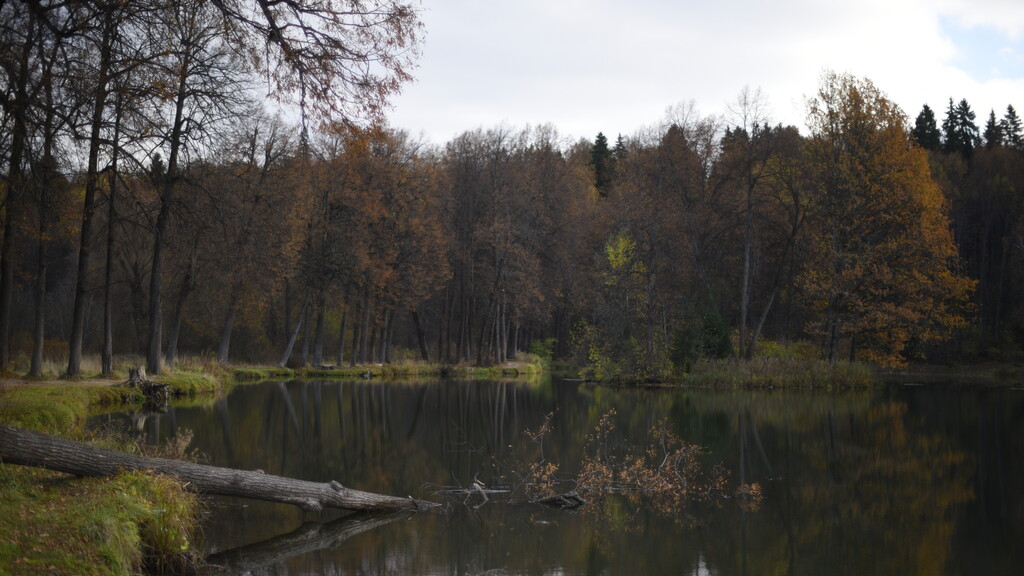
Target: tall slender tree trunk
[(389, 336), (421, 336), (162, 222), (374, 349), (460, 347), (89, 205), (356, 337), (305, 336), (39, 334), (444, 329), (294, 336), (15, 189), (344, 328), (318, 344), (188, 284), (45, 180), (107, 356), (287, 307), (650, 318), (364, 345), (745, 351), (224, 349)]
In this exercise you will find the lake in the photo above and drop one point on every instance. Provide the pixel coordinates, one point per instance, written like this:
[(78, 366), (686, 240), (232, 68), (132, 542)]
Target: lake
[(903, 480)]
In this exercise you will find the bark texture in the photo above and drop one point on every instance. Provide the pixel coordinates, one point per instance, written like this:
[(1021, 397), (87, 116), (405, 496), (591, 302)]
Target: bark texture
[(29, 448)]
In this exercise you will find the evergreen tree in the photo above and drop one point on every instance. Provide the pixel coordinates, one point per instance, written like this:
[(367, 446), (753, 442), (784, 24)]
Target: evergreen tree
[(959, 129), (620, 148), (1013, 135), (601, 160), (993, 132), (926, 130)]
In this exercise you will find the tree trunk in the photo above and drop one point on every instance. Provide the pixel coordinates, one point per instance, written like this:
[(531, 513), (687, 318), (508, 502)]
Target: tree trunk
[(356, 324), (15, 187), (89, 203), (287, 307), (107, 356), (291, 341), (39, 336), (364, 344), (389, 338), (188, 284), (224, 349), (318, 342), (162, 223), (44, 451), (341, 333), (305, 336), (421, 336)]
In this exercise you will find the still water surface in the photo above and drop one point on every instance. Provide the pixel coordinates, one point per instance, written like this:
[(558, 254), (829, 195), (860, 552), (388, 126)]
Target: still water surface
[(899, 480)]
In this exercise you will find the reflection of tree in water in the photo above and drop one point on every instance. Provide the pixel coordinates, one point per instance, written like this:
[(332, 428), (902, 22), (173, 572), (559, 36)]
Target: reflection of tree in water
[(879, 497), (898, 490), (894, 481)]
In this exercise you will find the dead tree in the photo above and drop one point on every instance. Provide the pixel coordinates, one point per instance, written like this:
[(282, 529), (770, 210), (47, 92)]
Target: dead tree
[(28, 448)]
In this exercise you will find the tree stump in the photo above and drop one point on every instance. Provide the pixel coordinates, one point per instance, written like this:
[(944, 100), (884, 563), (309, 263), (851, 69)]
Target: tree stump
[(157, 394)]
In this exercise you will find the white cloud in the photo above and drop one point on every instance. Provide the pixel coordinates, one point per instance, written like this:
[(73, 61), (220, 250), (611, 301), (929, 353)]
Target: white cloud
[(601, 65)]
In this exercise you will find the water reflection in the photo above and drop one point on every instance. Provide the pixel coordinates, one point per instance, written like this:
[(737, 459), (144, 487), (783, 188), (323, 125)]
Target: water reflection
[(923, 480)]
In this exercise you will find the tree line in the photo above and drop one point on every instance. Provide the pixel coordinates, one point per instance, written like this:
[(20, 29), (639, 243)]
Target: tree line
[(100, 97), (153, 205)]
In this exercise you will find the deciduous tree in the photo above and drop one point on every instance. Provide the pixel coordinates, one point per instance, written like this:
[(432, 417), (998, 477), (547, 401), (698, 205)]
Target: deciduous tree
[(884, 275)]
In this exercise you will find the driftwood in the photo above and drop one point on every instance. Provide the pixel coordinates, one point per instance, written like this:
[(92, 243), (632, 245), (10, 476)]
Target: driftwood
[(28, 448), (567, 500)]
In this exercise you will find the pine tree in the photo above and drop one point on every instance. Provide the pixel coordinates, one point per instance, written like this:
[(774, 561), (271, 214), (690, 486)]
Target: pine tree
[(959, 129), (926, 131), (1013, 135), (620, 148), (993, 132), (601, 159)]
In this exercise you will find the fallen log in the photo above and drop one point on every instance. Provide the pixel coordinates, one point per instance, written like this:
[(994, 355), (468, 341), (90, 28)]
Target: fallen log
[(568, 501), (29, 448)]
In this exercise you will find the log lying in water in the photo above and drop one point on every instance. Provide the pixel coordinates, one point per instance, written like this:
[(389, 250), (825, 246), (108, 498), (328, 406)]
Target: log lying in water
[(28, 448)]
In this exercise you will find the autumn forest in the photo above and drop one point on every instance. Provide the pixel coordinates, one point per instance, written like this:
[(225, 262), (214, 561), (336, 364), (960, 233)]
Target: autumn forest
[(219, 179)]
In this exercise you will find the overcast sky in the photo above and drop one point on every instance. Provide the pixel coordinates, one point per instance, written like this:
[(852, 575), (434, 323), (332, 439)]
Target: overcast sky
[(615, 66)]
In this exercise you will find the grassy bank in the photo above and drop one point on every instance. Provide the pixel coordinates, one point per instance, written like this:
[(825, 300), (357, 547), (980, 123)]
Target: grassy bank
[(525, 365), (56, 523), (53, 523), (780, 373), (765, 373)]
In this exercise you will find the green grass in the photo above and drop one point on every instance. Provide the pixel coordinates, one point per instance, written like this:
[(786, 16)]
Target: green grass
[(51, 523), (262, 373), (525, 365), (190, 383), (59, 410)]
